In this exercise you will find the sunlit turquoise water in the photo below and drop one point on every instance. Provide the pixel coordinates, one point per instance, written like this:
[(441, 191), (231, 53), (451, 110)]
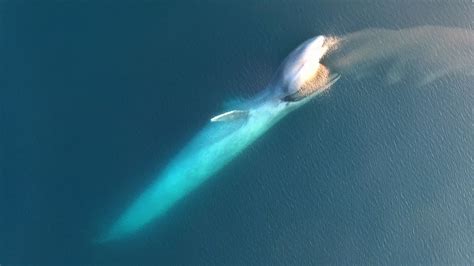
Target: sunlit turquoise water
[(96, 97)]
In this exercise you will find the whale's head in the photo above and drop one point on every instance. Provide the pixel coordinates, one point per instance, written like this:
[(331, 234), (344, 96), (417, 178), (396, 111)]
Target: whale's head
[(301, 74)]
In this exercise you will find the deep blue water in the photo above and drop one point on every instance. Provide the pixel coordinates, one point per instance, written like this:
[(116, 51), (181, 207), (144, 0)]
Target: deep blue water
[(95, 97)]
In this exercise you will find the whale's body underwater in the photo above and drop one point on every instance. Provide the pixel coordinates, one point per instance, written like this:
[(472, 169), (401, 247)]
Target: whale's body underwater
[(298, 79)]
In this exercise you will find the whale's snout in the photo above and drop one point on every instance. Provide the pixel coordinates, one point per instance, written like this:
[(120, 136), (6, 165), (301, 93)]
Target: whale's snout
[(301, 74)]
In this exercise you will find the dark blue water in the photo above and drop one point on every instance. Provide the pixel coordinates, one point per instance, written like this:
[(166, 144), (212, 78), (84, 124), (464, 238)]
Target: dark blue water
[(95, 97)]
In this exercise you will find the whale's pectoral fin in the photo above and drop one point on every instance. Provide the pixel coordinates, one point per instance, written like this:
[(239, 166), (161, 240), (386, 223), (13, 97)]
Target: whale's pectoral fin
[(230, 116)]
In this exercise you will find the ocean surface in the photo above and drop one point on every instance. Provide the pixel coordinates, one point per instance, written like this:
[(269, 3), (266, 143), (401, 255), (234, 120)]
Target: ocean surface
[(97, 96)]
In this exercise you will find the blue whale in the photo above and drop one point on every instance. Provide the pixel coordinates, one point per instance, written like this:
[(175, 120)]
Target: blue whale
[(299, 78)]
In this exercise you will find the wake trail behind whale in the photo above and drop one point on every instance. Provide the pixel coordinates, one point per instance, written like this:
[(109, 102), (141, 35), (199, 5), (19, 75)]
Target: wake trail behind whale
[(415, 56)]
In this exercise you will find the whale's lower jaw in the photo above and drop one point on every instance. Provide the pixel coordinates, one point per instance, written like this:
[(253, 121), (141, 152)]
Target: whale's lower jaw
[(208, 152)]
